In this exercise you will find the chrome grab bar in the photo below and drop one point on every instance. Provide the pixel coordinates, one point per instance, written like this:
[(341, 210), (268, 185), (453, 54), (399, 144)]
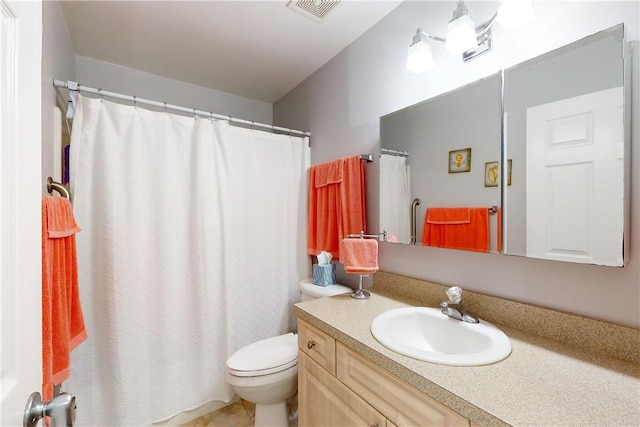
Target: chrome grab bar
[(414, 226)]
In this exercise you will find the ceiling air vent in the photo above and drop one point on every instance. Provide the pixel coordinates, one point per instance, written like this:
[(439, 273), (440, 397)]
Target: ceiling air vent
[(313, 9)]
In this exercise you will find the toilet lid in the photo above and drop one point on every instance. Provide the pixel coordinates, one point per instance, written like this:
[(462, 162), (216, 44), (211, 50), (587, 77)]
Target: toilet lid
[(265, 356), (316, 291)]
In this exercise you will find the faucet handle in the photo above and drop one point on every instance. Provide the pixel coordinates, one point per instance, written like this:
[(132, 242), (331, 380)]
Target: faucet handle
[(455, 294)]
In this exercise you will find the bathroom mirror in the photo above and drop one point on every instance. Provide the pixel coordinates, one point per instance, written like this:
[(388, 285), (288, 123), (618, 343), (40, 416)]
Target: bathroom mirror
[(565, 138), (443, 153), (567, 209)]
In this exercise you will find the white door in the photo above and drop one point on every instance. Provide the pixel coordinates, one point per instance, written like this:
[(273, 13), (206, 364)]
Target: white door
[(575, 187), (20, 219)]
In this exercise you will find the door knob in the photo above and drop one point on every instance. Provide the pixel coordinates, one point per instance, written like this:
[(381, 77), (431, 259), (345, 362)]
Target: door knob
[(61, 409)]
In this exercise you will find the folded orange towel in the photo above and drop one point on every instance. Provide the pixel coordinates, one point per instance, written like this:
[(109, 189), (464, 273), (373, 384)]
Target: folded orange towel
[(448, 228), (329, 173), (359, 256), (62, 321), (60, 220), (448, 216)]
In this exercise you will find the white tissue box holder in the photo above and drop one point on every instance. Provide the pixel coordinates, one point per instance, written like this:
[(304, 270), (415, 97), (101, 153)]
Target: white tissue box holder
[(324, 275)]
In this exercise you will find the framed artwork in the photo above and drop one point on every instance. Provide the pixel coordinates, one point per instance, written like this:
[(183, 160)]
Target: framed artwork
[(460, 160), (491, 174)]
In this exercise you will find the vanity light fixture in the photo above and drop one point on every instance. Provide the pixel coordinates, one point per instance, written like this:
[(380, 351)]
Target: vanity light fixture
[(463, 37)]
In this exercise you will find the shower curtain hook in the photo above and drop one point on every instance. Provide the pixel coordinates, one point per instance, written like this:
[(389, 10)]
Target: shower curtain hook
[(135, 102)]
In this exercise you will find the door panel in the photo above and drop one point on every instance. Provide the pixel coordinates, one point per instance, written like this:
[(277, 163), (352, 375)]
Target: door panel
[(575, 201), (20, 219)]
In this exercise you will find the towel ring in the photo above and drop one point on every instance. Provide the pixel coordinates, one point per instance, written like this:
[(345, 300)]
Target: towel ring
[(56, 186)]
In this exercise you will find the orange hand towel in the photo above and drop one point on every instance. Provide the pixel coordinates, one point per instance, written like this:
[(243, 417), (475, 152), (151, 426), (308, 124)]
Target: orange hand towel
[(457, 228), (359, 256), (336, 204), (62, 321)]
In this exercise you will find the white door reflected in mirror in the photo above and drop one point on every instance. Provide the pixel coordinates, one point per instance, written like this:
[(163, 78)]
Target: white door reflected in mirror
[(575, 173)]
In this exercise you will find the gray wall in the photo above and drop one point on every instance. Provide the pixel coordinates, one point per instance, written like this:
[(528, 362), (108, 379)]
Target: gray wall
[(58, 61), (342, 102), (128, 81)]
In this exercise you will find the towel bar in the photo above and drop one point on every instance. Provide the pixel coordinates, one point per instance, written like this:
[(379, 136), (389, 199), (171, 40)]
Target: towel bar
[(361, 235)]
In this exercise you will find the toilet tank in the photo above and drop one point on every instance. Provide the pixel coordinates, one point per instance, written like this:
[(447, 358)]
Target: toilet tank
[(309, 291)]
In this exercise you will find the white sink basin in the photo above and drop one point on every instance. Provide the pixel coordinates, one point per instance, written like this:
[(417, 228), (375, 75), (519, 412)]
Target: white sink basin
[(424, 333)]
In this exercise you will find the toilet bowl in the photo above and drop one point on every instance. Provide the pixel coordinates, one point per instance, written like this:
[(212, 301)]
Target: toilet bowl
[(266, 372)]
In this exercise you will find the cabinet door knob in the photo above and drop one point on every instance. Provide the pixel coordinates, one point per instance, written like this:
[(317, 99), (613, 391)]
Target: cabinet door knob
[(311, 344)]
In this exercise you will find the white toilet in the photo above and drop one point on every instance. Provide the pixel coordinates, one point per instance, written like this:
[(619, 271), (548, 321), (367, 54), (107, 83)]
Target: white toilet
[(266, 372)]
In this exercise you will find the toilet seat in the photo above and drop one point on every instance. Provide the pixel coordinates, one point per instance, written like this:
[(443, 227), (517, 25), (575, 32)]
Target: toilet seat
[(265, 357)]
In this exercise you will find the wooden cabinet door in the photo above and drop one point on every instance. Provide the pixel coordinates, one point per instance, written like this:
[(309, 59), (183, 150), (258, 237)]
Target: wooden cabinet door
[(317, 345), (398, 401), (325, 401)]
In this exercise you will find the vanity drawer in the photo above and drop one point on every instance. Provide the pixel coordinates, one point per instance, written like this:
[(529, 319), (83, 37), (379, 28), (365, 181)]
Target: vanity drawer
[(317, 345), (401, 403)]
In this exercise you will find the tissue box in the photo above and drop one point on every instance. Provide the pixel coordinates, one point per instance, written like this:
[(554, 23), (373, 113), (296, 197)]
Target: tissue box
[(324, 275)]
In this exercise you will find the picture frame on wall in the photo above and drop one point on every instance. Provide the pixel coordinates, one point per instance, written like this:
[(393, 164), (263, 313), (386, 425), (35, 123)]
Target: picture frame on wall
[(491, 174), (460, 160)]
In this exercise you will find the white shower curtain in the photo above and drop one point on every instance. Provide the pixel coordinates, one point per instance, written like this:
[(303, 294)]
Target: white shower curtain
[(192, 247), (395, 203)]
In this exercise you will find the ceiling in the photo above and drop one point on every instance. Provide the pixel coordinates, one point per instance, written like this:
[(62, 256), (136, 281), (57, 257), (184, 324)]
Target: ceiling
[(255, 49)]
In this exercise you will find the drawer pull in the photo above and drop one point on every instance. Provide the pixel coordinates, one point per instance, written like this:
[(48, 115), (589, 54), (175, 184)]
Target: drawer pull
[(311, 344)]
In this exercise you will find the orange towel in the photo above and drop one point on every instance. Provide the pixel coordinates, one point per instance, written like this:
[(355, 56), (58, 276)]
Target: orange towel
[(448, 228), (359, 256), (62, 321), (329, 173), (336, 204), (448, 216)]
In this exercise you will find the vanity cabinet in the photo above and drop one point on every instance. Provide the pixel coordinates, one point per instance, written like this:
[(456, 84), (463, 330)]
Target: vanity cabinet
[(337, 386)]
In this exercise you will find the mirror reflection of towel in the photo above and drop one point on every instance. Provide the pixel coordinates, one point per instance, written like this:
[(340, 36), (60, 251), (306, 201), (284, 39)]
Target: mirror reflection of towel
[(359, 256), (457, 228)]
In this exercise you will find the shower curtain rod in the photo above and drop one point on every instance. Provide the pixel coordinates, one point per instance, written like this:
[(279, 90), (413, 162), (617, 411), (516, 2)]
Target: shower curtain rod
[(74, 86)]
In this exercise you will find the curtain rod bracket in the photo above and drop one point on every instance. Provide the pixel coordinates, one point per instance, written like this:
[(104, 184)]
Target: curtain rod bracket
[(73, 97)]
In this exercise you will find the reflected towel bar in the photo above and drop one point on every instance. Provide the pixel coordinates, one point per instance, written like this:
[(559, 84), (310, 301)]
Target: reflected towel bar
[(361, 235), (394, 152)]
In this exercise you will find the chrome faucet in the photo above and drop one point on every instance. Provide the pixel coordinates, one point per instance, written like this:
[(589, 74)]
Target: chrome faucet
[(454, 307)]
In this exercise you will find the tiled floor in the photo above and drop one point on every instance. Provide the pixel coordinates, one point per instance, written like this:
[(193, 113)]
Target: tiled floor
[(238, 414)]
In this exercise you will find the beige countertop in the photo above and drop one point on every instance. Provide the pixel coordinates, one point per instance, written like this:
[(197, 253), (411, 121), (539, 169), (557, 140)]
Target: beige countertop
[(542, 383)]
